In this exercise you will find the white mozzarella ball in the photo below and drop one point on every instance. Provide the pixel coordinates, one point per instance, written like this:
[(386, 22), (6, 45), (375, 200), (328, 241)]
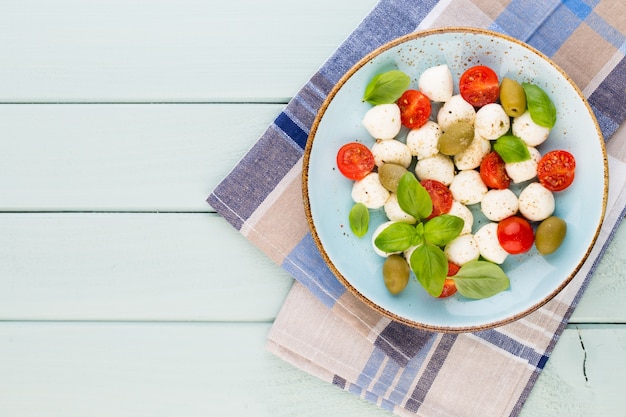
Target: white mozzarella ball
[(438, 167), (370, 191), (530, 132), (497, 205), (423, 141), (525, 170), (487, 240), (436, 83), (383, 121), (455, 110), (467, 187), (460, 210), (536, 202), (377, 232), (491, 121), (471, 157), (394, 212), (391, 151), (462, 250)]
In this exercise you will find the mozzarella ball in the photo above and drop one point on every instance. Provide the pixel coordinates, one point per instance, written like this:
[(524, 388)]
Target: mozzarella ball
[(460, 210), (383, 121), (394, 212), (525, 170), (391, 151), (455, 110), (462, 250), (467, 187), (491, 121), (487, 240), (497, 205), (370, 191), (377, 232), (471, 157), (423, 141), (436, 83), (536, 202), (530, 132), (438, 167)]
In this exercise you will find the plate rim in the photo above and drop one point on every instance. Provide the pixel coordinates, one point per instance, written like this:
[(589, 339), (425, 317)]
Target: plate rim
[(305, 180)]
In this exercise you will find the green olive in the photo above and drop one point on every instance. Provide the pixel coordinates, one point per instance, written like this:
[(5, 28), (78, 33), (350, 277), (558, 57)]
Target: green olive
[(389, 175), (512, 97), (550, 234), (396, 273), (456, 138)]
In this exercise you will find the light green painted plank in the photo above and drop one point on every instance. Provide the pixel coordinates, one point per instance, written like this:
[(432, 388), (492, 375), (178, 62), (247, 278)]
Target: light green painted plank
[(103, 369), (142, 266), (134, 267), (585, 376), (122, 157), (167, 50)]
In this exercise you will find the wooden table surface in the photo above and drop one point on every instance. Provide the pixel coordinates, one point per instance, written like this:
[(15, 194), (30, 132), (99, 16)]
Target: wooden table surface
[(121, 292)]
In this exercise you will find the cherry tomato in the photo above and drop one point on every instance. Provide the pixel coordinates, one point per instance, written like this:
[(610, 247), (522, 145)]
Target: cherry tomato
[(479, 86), (355, 160), (555, 170), (515, 235), (415, 108), (449, 288), (440, 195), (493, 172), (452, 269)]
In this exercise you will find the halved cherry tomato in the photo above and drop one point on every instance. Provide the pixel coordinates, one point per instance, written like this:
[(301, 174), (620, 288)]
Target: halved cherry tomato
[(440, 195), (355, 160), (515, 235), (415, 108), (555, 170), (479, 85), (493, 172), (452, 269)]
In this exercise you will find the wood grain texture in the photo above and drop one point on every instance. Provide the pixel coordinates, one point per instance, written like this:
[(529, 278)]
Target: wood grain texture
[(79, 157), (200, 369), (167, 50)]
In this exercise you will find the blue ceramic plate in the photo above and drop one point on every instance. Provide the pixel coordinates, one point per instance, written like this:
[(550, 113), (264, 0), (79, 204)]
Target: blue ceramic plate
[(535, 279)]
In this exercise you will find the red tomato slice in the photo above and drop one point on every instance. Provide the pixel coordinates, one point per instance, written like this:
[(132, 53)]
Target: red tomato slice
[(355, 160), (449, 288), (440, 195), (493, 172), (415, 108), (555, 170), (515, 235), (452, 269), (479, 85)]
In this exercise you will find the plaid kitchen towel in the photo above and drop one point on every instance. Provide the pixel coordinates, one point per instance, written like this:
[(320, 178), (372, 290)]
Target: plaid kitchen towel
[(325, 330)]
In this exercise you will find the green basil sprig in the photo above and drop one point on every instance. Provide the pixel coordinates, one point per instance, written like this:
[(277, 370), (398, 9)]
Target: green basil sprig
[(359, 218), (386, 87), (427, 261), (541, 108), (480, 279), (511, 149)]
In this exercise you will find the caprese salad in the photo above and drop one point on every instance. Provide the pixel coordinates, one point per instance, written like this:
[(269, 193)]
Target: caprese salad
[(460, 148)]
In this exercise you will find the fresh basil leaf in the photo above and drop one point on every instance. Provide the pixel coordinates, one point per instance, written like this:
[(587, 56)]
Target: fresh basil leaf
[(541, 108), (359, 217), (419, 234), (413, 197), (511, 149), (443, 229), (480, 279), (430, 266), (396, 237), (387, 87)]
